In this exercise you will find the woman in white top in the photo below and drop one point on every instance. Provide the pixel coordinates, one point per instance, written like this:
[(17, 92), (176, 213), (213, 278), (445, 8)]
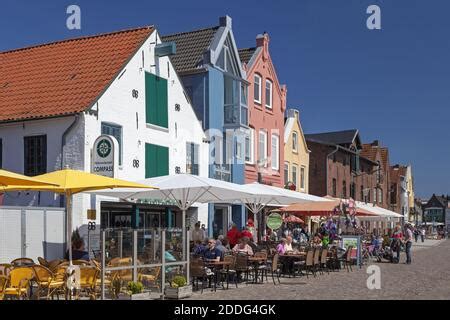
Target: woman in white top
[(288, 245)]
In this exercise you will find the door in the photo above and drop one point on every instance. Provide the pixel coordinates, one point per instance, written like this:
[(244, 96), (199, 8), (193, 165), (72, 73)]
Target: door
[(220, 221), (34, 234)]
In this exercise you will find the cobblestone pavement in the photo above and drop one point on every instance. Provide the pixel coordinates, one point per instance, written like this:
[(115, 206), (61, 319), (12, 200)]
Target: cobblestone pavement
[(428, 277)]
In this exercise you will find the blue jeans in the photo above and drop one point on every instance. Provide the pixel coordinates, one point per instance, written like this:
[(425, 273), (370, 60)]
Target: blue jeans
[(408, 252)]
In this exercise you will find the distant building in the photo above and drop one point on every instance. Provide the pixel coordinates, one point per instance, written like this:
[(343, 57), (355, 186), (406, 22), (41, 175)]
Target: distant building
[(435, 211), (338, 169), (296, 153)]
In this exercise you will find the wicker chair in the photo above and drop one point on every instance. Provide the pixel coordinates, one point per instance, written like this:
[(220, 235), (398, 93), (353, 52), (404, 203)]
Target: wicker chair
[(308, 266), (3, 283), (88, 281), (19, 262), (316, 260), (323, 260), (230, 270), (199, 272), (5, 268), (275, 269), (19, 282)]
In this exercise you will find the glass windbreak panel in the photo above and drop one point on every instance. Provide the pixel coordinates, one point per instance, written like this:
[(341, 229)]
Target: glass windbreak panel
[(118, 245), (174, 245), (151, 279), (176, 275), (149, 246)]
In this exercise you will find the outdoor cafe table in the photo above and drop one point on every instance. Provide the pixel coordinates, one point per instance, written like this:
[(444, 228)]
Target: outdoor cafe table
[(287, 260), (217, 265), (256, 261)]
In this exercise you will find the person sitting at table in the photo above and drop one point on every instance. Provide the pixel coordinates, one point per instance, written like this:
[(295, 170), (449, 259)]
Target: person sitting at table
[(317, 241), (243, 247), (212, 253), (220, 246), (281, 247), (288, 246)]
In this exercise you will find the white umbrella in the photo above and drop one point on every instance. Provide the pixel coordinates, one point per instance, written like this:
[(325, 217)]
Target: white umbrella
[(262, 195), (378, 211), (185, 190)]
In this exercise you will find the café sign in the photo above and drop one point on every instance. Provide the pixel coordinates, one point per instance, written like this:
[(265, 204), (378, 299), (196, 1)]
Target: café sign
[(105, 156), (274, 221)]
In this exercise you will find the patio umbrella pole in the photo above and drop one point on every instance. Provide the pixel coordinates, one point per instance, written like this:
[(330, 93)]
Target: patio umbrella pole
[(69, 201)]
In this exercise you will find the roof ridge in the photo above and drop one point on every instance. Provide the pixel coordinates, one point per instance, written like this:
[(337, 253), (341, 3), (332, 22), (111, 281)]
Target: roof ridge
[(249, 48), (192, 31), (78, 38)]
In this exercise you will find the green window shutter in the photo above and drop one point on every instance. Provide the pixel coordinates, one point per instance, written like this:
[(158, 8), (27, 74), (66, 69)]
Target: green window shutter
[(156, 161), (156, 100)]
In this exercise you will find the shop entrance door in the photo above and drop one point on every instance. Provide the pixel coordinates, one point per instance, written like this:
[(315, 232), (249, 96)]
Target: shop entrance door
[(220, 221)]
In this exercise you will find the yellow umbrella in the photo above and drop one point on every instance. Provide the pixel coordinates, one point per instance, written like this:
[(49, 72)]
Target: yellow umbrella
[(69, 182), (8, 178)]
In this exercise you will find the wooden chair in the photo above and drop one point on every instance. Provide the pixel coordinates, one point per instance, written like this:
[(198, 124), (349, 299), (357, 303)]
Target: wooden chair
[(57, 284), (316, 260), (309, 262), (81, 262), (323, 260), (275, 269), (198, 272), (263, 267), (19, 262), (46, 281), (19, 282), (3, 283), (242, 266), (348, 258), (43, 262), (229, 270)]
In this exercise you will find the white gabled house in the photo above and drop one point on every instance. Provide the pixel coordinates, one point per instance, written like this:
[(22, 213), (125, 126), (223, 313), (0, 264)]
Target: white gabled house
[(56, 99)]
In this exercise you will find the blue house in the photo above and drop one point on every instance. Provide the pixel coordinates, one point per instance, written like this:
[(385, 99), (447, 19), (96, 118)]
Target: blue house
[(208, 63)]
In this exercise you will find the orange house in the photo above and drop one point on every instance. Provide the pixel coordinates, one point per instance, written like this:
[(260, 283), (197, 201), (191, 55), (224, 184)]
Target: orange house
[(264, 144)]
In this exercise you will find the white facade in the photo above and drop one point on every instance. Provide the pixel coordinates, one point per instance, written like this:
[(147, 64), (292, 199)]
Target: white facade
[(115, 106)]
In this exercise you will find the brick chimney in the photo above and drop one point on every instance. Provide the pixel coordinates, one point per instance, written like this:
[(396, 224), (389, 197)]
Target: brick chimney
[(375, 143), (262, 40)]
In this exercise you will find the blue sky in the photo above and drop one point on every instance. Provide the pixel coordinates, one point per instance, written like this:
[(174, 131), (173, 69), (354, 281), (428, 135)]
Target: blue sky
[(391, 84)]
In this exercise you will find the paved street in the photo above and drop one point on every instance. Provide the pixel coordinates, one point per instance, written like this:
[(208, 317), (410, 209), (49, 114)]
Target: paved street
[(428, 277)]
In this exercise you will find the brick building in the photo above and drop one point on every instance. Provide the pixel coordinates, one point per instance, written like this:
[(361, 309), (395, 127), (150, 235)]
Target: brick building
[(337, 168)]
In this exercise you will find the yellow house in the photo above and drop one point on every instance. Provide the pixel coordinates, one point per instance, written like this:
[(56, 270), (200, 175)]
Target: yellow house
[(296, 153)]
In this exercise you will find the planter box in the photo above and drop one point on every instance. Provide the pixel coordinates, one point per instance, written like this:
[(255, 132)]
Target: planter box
[(137, 296), (178, 293)]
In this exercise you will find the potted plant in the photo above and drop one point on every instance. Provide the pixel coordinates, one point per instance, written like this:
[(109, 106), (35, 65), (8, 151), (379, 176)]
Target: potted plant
[(135, 291), (179, 288)]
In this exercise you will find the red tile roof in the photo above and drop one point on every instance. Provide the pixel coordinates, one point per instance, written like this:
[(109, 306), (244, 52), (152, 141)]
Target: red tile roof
[(64, 77)]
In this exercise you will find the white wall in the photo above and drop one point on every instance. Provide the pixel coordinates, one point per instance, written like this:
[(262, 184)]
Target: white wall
[(116, 105)]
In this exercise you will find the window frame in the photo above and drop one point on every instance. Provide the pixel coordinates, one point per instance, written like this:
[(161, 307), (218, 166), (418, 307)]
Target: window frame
[(270, 82), (302, 177), (256, 75), (251, 137), (36, 170), (264, 133), (195, 167), (286, 176), (295, 145), (294, 177), (277, 150)]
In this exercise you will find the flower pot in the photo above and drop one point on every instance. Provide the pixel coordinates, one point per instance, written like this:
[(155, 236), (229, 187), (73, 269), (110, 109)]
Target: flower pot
[(178, 293)]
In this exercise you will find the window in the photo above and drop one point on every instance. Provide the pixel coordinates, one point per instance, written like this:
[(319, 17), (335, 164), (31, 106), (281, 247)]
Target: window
[(345, 160), (362, 193), (116, 132), (294, 175), (334, 188), (192, 160), (344, 189), (238, 149), (257, 88), (156, 160), (262, 148), (35, 155), (156, 100), (275, 152), (302, 177), (294, 141), (380, 195), (352, 191), (250, 145), (235, 102), (375, 195), (269, 94), (286, 172)]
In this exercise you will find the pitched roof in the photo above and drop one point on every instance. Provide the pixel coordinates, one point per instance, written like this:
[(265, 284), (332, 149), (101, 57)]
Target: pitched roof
[(190, 48), (369, 152), (336, 137), (63, 77), (246, 54)]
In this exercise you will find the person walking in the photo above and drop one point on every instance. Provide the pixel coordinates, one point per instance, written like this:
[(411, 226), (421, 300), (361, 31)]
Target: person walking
[(416, 234), (422, 234), (408, 242), (396, 244)]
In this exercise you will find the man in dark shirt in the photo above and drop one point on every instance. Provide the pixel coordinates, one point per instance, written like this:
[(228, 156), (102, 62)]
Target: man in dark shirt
[(212, 253)]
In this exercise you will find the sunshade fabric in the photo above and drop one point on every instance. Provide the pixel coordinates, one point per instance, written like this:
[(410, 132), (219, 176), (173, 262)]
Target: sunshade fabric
[(8, 178), (320, 208), (70, 181)]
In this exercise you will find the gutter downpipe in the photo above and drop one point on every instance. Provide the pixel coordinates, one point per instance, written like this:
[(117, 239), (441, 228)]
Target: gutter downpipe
[(63, 143)]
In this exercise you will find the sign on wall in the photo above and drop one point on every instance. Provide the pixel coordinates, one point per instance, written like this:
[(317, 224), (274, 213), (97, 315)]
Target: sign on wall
[(105, 156), (274, 221)]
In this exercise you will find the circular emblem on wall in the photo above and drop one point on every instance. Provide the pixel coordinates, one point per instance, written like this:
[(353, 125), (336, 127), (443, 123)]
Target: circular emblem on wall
[(104, 148), (274, 221)]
